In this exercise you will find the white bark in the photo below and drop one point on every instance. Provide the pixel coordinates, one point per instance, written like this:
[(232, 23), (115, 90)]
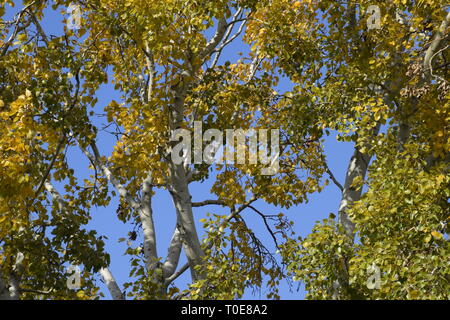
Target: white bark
[(4, 292), (182, 200), (434, 46), (55, 195), (10, 289), (146, 216), (356, 168), (173, 254), (111, 284), (216, 39), (143, 208), (14, 287), (232, 215), (405, 128)]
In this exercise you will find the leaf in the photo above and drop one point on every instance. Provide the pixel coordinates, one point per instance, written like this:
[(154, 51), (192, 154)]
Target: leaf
[(437, 235)]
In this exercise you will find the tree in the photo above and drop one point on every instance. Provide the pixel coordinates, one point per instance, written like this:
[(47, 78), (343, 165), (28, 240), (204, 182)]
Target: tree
[(357, 79), (385, 90)]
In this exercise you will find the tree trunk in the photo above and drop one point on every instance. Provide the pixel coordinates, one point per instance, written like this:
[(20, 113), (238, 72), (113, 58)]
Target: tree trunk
[(111, 284)]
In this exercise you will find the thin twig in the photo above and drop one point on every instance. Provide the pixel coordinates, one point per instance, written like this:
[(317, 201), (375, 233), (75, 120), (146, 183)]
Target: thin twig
[(264, 217)]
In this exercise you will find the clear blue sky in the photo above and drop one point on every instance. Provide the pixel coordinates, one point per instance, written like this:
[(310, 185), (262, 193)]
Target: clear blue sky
[(104, 220)]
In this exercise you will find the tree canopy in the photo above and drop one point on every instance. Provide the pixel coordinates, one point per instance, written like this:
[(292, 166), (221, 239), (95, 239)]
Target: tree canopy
[(374, 72)]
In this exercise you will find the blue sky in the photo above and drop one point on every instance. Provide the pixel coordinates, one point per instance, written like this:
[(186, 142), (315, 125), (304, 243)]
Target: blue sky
[(104, 220)]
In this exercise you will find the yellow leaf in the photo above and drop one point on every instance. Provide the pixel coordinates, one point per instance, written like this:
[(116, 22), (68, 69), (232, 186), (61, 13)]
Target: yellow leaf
[(436, 234), (440, 179)]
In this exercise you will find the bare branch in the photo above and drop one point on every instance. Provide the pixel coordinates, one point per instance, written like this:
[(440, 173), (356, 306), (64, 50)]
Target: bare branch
[(234, 213), (55, 195), (264, 217), (146, 216), (35, 291), (357, 167), (244, 206), (332, 177), (208, 202)]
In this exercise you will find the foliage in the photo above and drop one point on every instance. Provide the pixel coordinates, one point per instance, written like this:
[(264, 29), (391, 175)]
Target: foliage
[(384, 90)]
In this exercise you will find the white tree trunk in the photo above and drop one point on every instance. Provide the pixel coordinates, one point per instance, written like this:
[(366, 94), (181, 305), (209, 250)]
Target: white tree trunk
[(357, 168), (4, 292), (111, 284), (182, 200)]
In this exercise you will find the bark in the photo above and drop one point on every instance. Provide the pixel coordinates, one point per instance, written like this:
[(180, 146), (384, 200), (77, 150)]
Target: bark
[(434, 46), (143, 208), (14, 278), (148, 226), (111, 284), (216, 39), (10, 288), (357, 168), (173, 254), (55, 195), (14, 288), (182, 200), (358, 165), (433, 49), (4, 292)]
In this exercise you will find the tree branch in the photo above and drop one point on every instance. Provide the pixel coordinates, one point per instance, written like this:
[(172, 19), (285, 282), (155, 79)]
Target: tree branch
[(332, 177), (50, 166), (215, 40), (173, 277), (144, 208), (173, 254), (434, 46), (208, 202), (17, 29), (263, 216), (111, 284)]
